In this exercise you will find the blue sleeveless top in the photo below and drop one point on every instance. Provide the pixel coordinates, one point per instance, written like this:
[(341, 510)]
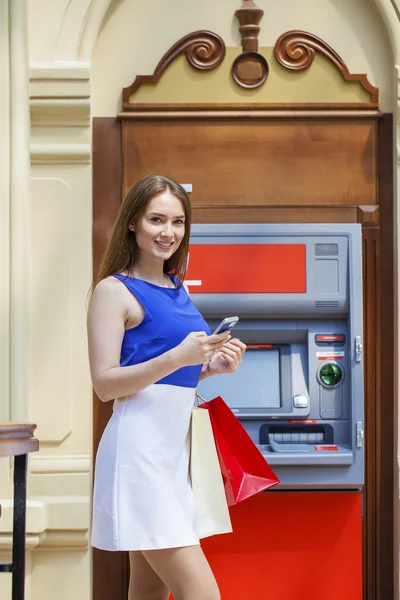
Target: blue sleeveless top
[(169, 316)]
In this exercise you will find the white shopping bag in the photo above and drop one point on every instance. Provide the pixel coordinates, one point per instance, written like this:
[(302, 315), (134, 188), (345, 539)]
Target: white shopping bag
[(212, 513)]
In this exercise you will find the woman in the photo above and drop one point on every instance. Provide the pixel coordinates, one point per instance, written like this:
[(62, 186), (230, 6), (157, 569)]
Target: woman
[(148, 348)]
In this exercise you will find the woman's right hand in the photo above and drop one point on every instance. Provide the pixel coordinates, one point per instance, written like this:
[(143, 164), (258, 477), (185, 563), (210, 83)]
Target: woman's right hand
[(197, 347)]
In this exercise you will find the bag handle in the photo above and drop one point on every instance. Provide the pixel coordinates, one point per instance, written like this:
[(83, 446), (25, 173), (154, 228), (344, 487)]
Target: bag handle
[(198, 399)]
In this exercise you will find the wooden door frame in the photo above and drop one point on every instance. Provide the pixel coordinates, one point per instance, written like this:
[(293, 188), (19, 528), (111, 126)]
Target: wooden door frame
[(381, 560), (385, 550), (107, 194)]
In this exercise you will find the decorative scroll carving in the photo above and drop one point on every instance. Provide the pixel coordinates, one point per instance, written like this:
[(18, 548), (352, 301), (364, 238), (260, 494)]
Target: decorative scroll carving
[(250, 69), (204, 50), (296, 50)]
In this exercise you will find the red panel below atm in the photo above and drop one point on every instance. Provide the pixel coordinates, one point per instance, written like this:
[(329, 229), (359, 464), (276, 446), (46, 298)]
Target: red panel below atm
[(248, 268), (291, 546)]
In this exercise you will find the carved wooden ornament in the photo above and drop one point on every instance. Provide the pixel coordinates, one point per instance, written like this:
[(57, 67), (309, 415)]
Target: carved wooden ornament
[(204, 50), (296, 50), (250, 69)]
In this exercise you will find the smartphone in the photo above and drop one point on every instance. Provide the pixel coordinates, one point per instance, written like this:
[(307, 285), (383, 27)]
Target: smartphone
[(226, 324)]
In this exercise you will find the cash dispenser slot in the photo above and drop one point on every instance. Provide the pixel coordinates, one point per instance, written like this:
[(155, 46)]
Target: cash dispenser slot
[(296, 434), (302, 444)]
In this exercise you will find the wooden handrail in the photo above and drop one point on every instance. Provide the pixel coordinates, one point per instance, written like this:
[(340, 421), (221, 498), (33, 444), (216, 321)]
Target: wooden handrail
[(17, 439)]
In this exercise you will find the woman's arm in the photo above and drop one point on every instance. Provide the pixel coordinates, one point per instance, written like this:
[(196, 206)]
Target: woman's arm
[(205, 371), (107, 316)]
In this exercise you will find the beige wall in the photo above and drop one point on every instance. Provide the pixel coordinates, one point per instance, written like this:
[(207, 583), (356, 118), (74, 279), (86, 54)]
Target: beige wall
[(79, 54)]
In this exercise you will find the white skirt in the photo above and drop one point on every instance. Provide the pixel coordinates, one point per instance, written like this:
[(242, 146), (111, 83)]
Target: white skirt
[(143, 498)]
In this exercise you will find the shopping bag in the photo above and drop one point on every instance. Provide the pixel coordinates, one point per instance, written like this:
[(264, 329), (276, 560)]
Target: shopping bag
[(212, 513), (244, 469)]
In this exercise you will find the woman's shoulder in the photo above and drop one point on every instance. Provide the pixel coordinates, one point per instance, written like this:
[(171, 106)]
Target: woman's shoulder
[(108, 283), (110, 294), (107, 301), (109, 287)]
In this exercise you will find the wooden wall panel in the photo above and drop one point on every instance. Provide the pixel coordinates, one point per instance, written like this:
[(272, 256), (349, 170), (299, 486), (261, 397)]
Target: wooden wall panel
[(274, 214), (276, 162), (107, 194), (107, 191)]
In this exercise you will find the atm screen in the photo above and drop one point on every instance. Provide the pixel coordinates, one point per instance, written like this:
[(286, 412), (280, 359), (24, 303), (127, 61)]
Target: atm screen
[(255, 385)]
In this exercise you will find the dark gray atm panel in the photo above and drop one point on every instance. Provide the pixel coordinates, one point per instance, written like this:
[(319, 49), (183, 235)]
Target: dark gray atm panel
[(299, 391)]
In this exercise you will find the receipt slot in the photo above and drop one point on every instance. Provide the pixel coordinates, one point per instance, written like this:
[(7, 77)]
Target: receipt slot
[(299, 393)]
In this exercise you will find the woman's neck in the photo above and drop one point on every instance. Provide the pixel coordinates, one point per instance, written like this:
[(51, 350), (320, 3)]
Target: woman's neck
[(153, 273)]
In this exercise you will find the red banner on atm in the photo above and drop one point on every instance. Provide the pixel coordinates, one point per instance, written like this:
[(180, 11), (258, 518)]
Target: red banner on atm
[(247, 268)]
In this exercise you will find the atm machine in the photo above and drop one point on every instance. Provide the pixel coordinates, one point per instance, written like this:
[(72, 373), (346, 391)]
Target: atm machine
[(299, 393)]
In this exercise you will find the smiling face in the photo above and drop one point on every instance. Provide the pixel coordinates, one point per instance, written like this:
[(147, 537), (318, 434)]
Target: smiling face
[(160, 230)]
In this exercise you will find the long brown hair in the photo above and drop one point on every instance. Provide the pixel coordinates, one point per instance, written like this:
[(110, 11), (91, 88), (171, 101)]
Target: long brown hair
[(121, 251)]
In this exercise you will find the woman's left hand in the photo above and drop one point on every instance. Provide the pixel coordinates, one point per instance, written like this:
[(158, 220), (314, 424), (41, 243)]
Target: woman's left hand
[(228, 359)]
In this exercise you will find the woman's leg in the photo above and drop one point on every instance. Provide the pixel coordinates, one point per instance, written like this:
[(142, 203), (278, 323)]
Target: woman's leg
[(144, 583), (185, 571)]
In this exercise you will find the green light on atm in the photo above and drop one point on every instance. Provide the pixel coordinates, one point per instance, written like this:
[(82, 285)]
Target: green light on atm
[(331, 374)]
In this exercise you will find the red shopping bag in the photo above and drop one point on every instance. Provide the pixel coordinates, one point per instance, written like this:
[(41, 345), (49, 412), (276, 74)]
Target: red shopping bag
[(244, 469)]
